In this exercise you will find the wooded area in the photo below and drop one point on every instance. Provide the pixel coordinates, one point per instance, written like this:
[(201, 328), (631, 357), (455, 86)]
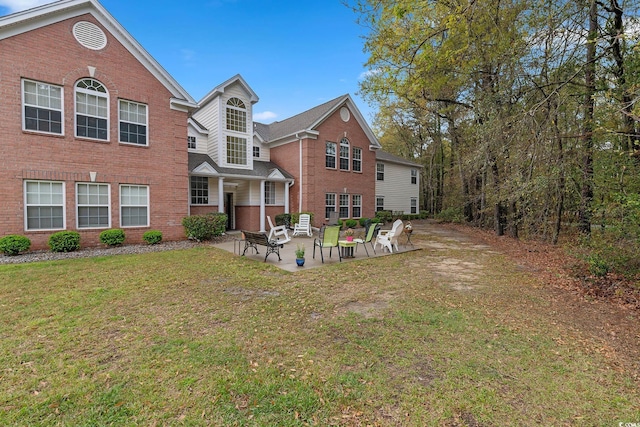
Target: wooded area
[(524, 113)]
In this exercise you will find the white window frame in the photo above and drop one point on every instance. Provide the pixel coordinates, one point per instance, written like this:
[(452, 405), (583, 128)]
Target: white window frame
[(42, 100), (269, 193), (90, 94), (237, 156), (124, 205), (356, 203), (414, 205), (379, 206), (256, 152), (356, 159), (93, 203), (192, 142), (202, 192), (414, 176), (344, 155), (379, 171), (44, 200), (236, 115), (329, 203), (328, 147), (133, 118), (343, 205)]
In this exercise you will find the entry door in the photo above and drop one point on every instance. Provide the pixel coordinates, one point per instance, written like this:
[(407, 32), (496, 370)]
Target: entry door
[(229, 209)]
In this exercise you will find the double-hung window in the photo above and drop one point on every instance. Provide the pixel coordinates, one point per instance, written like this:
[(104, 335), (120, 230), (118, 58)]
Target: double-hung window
[(379, 204), (330, 155), (344, 154), (329, 204), (380, 171), (256, 151), (92, 201), (199, 190), (236, 150), (357, 159), (92, 110), (414, 176), (356, 206), (344, 206), (42, 107), (134, 205), (191, 143), (269, 193), (133, 122), (44, 205), (414, 205)]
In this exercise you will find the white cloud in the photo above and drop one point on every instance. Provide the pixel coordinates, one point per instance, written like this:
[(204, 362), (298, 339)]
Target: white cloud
[(265, 115), (18, 5), (368, 73)]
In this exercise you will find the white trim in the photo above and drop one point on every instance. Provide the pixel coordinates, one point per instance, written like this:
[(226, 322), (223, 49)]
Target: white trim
[(146, 123), (148, 205), (108, 205), (64, 205), (205, 169), (24, 119)]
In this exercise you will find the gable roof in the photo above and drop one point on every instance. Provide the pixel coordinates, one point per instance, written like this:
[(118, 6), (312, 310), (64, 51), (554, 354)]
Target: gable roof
[(38, 17), (219, 90), (306, 122), (261, 169), (392, 158)]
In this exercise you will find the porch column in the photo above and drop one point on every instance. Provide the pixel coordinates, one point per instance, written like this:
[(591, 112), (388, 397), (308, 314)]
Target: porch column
[(286, 197), (220, 194), (262, 211)]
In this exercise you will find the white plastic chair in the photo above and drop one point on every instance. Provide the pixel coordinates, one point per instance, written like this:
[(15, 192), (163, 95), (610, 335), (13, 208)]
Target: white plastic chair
[(303, 225), (389, 238), (278, 233)]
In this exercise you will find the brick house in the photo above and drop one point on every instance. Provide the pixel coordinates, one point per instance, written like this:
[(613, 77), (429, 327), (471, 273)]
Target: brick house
[(92, 129), (321, 160)]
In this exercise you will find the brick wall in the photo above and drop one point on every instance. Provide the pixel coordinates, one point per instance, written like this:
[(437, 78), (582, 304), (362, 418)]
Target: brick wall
[(52, 55), (318, 180)]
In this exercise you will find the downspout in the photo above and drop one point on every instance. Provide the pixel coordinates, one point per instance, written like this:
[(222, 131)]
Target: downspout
[(299, 173)]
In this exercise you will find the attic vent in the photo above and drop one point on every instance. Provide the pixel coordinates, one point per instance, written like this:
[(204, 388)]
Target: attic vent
[(89, 35)]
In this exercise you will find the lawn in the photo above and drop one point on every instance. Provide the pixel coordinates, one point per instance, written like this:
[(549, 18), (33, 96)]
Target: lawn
[(450, 336)]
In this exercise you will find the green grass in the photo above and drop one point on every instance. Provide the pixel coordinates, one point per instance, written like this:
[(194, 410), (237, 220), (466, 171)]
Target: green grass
[(203, 337)]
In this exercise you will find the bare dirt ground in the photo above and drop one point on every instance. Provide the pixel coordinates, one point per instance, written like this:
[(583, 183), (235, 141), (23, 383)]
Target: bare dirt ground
[(605, 313)]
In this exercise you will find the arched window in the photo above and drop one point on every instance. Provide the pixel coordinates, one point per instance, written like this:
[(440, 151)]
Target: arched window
[(344, 154), (92, 110), (236, 115)]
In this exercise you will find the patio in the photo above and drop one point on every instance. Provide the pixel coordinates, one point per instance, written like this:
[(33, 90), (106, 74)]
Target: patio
[(287, 252)]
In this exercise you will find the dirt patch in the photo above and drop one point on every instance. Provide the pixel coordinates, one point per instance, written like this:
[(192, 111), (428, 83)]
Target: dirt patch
[(610, 323)]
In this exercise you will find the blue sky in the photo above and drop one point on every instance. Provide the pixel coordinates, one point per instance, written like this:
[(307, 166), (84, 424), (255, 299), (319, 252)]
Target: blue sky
[(295, 54)]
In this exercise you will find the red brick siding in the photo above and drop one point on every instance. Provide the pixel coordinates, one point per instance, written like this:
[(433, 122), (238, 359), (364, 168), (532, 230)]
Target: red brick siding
[(52, 55), (318, 180)]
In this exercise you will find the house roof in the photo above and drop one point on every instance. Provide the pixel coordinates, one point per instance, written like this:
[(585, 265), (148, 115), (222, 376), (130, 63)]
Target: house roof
[(220, 89), (37, 17), (308, 121), (391, 158), (260, 169)]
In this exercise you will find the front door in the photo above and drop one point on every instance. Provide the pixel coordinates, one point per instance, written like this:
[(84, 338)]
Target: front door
[(229, 210)]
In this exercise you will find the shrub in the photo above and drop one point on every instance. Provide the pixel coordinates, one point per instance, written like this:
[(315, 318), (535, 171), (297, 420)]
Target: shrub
[(351, 223), (450, 215), (112, 237), (152, 237), (283, 219), (64, 241), (363, 221), (205, 227), (384, 216), (13, 244), (598, 266)]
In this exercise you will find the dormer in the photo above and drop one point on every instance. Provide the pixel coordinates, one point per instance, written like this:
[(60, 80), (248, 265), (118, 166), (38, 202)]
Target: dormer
[(227, 113)]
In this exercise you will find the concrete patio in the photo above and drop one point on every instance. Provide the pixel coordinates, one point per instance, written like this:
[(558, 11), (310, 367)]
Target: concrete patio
[(287, 252)]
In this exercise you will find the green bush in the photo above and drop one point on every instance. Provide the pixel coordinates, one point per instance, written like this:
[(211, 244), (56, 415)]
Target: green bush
[(363, 221), (450, 215), (351, 223), (112, 237), (13, 244), (152, 237), (598, 266), (283, 219), (64, 241), (205, 227), (384, 216)]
